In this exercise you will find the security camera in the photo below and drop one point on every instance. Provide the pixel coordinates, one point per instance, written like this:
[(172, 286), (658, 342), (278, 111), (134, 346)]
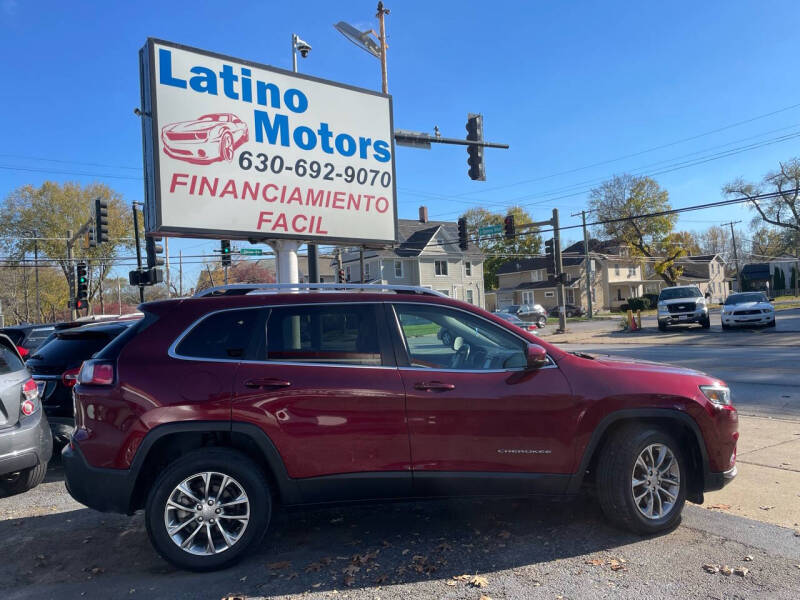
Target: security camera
[(303, 47)]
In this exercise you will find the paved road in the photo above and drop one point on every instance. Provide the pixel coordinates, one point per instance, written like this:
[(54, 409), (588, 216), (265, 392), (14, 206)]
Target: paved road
[(519, 549)]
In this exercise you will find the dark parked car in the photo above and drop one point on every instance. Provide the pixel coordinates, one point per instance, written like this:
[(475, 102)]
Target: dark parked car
[(527, 312), (211, 409), (515, 320), (25, 440), (55, 368), (27, 337), (569, 309)]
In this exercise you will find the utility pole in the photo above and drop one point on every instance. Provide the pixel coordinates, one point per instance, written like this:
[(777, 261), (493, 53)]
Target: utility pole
[(796, 264), (180, 273), (361, 260), (166, 266), (562, 312), (382, 12), (36, 275), (735, 254), (587, 263), (138, 247), (119, 297)]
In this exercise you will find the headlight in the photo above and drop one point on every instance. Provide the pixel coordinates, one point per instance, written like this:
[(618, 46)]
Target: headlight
[(718, 394)]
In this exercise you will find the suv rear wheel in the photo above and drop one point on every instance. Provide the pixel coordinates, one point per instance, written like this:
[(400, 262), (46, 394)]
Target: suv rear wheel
[(207, 509), (641, 479)]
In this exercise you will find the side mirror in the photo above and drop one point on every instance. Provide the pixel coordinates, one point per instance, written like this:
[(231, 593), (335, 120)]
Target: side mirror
[(535, 356)]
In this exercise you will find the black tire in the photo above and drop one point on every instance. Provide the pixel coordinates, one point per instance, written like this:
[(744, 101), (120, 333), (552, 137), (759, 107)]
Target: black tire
[(218, 460), (226, 147), (662, 326), (771, 323), (725, 327), (62, 431), (615, 470), (22, 481)]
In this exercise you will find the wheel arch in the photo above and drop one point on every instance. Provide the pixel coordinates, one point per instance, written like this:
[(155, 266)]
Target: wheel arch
[(679, 424), (165, 443)]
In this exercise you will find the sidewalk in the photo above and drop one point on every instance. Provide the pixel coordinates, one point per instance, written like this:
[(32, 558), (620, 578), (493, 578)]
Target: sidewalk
[(767, 487)]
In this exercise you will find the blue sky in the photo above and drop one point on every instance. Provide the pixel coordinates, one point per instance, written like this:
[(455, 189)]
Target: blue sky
[(566, 84)]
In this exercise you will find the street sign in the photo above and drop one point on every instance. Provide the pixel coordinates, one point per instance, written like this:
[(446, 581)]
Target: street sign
[(251, 251), (239, 150), (490, 229)]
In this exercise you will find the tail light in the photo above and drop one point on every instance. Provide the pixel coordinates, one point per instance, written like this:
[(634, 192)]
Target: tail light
[(29, 403), (23, 352), (96, 372), (70, 378)]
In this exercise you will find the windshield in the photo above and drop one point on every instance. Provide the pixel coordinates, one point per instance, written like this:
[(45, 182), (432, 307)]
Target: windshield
[(684, 292), (743, 298), (510, 309)]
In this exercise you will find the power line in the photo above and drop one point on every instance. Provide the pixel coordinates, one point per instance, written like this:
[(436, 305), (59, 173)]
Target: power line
[(68, 162)]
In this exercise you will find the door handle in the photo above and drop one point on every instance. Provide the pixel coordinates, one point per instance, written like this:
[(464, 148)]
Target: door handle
[(268, 382), (434, 386)]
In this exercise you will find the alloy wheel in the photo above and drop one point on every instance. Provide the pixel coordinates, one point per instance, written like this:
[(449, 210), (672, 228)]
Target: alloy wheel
[(656, 481), (207, 513)]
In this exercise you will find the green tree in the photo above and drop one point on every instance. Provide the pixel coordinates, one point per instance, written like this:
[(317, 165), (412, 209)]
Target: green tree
[(496, 248), (53, 209), (620, 199)]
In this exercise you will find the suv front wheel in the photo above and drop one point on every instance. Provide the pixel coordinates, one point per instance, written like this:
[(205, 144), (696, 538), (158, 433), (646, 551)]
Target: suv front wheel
[(207, 508), (641, 479)]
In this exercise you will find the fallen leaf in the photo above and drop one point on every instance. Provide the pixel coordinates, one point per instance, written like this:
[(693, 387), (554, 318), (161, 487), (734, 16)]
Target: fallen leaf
[(708, 568), (349, 580), (484, 597), (406, 551), (380, 579), (741, 571), (616, 565), (316, 585), (479, 581), (595, 562), (462, 577), (450, 582), (725, 570), (766, 507), (504, 535), (276, 566), (314, 567), (243, 579), (351, 570)]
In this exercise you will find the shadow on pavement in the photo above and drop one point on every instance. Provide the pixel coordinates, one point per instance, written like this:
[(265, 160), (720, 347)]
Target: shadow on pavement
[(309, 551)]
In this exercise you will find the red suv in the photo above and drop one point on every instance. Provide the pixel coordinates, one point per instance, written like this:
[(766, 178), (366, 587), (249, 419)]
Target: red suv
[(211, 410)]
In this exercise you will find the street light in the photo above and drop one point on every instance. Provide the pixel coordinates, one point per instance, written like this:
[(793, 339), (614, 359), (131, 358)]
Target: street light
[(365, 41)]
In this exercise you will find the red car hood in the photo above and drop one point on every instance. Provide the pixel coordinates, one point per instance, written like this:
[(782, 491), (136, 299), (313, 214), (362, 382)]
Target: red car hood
[(191, 126), (632, 364)]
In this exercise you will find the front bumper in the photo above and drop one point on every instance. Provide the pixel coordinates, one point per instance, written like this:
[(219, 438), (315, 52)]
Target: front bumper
[(678, 318), (762, 319), (26, 444), (717, 481), (106, 490)]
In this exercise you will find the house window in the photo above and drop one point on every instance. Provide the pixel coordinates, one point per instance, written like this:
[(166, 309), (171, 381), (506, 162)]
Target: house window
[(470, 299), (631, 271), (445, 292), (536, 275), (366, 272), (440, 267), (398, 269), (616, 269), (347, 273), (619, 293), (527, 297), (468, 269), (549, 294)]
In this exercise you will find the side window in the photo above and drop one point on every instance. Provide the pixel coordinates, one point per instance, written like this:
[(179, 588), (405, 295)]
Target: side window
[(337, 334), (442, 338), (230, 334)]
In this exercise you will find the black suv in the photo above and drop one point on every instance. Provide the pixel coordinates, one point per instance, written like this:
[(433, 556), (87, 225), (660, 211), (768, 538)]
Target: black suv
[(55, 368), (28, 338)]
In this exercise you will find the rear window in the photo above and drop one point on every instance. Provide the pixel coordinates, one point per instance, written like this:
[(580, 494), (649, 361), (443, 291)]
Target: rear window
[(230, 335), (36, 337), (15, 334), (9, 361), (70, 349)]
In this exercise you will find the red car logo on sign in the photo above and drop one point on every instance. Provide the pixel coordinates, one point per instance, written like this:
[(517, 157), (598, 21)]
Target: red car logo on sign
[(210, 138)]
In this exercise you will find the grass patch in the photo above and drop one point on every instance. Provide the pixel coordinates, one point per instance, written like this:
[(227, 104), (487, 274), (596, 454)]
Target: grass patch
[(420, 330)]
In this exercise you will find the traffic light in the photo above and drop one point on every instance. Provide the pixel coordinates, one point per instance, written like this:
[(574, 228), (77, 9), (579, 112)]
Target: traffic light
[(510, 227), (154, 250), (341, 275), (90, 234), (81, 285), (225, 249), (100, 221), (477, 171), (551, 256), (463, 242), (146, 277)]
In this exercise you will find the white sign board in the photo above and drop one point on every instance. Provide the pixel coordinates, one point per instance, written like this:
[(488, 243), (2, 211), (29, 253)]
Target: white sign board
[(239, 150)]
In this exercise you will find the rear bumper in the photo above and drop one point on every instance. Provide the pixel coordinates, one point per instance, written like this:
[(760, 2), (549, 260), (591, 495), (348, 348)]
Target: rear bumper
[(106, 490), (717, 481), (26, 444)]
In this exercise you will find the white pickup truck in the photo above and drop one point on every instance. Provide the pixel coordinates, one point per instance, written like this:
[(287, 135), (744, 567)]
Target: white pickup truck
[(682, 304)]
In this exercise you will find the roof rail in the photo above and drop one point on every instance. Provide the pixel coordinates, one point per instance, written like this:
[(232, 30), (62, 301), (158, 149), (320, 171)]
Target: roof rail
[(241, 289)]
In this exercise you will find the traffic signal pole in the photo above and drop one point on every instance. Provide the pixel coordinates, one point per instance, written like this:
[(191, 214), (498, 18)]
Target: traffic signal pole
[(587, 265), (138, 248), (562, 313)]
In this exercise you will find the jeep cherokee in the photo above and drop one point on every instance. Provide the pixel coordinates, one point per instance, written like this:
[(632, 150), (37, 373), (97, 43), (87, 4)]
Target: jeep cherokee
[(212, 410)]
